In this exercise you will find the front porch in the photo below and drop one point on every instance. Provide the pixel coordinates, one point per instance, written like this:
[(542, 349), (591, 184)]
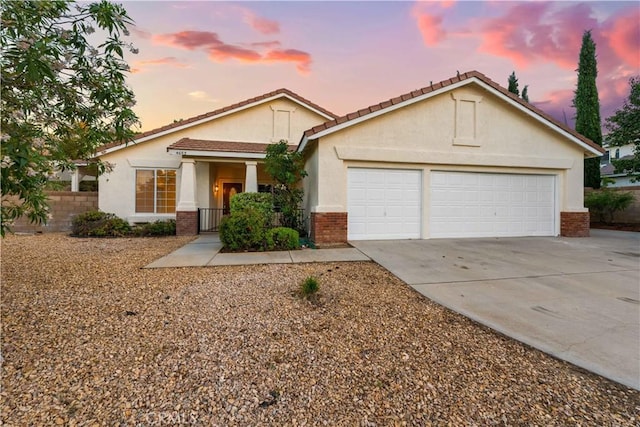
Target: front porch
[(206, 187)]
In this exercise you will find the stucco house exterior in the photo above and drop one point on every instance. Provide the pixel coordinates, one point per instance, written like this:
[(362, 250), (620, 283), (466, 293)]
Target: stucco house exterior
[(198, 163), (459, 158), (608, 170)]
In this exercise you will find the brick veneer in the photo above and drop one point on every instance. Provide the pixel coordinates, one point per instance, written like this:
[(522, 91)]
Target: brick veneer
[(329, 228), (574, 224), (186, 223)]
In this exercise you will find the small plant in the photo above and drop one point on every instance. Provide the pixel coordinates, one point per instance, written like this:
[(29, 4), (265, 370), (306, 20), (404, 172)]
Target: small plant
[(309, 288), (99, 224), (604, 203), (282, 239), (156, 228)]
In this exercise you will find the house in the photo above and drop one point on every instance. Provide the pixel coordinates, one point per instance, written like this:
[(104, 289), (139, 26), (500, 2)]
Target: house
[(194, 166), (607, 169), (460, 158)]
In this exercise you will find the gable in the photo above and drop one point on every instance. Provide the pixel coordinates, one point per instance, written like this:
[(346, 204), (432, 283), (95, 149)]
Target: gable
[(473, 78), (267, 118), (439, 128)]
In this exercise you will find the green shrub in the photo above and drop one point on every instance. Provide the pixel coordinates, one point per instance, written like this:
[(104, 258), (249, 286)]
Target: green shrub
[(282, 239), (99, 224), (262, 203), (604, 203), (156, 228), (243, 230), (309, 287)]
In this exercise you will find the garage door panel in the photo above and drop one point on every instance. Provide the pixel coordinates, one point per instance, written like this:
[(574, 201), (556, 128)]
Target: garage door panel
[(465, 204), (389, 208)]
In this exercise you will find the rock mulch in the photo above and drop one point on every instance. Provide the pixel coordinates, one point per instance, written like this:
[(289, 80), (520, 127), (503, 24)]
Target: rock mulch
[(90, 338)]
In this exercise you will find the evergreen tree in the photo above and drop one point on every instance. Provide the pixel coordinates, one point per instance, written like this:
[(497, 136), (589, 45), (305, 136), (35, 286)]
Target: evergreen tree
[(525, 93), (587, 106), (513, 84), (624, 128)]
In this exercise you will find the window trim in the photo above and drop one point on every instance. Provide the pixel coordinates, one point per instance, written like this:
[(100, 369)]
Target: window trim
[(155, 191)]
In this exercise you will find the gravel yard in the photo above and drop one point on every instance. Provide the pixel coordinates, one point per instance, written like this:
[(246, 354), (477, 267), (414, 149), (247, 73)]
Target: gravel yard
[(90, 338)]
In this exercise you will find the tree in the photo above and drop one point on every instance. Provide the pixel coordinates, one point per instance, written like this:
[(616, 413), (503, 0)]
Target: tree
[(287, 170), (513, 84), (61, 95), (624, 128), (525, 93), (587, 106), (513, 87)]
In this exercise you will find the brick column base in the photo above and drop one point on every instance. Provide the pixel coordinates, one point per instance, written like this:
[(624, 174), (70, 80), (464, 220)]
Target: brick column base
[(329, 228), (574, 224), (186, 223)]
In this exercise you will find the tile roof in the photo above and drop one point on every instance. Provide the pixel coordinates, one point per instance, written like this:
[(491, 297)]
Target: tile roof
[(443, 84), (610, 169), (240, 104), (224, 146)]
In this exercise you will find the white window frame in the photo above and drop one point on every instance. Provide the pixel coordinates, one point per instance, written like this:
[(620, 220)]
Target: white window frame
[(155, 191)]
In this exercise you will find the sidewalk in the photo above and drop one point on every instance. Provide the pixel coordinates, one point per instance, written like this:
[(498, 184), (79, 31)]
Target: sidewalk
[(205, 252)]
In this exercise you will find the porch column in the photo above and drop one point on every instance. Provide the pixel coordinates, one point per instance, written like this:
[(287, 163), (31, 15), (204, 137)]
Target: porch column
[(187, 209), (251, 178), (75, 180)]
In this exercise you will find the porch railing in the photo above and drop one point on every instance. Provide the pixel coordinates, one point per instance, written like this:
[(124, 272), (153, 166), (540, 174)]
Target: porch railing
[(209, 220)]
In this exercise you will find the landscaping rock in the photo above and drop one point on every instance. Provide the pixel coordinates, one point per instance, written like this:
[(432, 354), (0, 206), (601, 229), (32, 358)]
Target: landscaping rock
[(91, 338)]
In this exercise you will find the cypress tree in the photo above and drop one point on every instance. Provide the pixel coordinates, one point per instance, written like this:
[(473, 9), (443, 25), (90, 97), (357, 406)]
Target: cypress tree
[(513, 84), (587, 106)]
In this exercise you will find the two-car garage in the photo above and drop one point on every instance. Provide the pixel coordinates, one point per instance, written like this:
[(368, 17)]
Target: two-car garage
[(389, 204)]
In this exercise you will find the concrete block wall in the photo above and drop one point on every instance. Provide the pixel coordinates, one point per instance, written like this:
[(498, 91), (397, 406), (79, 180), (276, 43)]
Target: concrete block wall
[(64, 205), (631, 215)]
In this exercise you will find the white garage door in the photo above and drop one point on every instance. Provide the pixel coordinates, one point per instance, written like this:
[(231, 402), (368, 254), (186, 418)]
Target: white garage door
[(384, 204), (486, 205)]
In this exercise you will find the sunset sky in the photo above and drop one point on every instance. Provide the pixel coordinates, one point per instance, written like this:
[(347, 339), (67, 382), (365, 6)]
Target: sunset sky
[(199, 56)]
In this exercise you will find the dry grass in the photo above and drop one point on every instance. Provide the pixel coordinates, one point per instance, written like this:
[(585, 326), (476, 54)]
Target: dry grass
[(88, 337)]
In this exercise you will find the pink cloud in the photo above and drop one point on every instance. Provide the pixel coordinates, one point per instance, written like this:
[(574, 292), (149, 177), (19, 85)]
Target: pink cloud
[(188, 39), (260, 24), (623, 36), (264, 26), (531, 32), (140, 66), (302, 59), (430, 24), (225, 51), (219, 51), (167, 60), (138, 32), (269, 45)]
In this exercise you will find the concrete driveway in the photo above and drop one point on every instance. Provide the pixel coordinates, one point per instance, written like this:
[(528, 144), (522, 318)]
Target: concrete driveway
[(577, 299)]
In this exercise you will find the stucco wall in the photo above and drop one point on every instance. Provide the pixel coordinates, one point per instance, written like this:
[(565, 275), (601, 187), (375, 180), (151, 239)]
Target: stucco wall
[(422, 136), (256, 124)]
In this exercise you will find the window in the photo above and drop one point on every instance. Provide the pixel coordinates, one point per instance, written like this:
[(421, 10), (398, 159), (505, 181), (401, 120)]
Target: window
[(155, 191), (617, 153)]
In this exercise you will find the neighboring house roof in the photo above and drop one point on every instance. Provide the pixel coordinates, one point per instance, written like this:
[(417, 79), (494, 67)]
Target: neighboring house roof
[(610, 169), (436, 89), (247, 103)]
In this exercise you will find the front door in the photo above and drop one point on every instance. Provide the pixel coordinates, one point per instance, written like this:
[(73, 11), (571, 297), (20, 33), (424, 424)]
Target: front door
[(229, 189)]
